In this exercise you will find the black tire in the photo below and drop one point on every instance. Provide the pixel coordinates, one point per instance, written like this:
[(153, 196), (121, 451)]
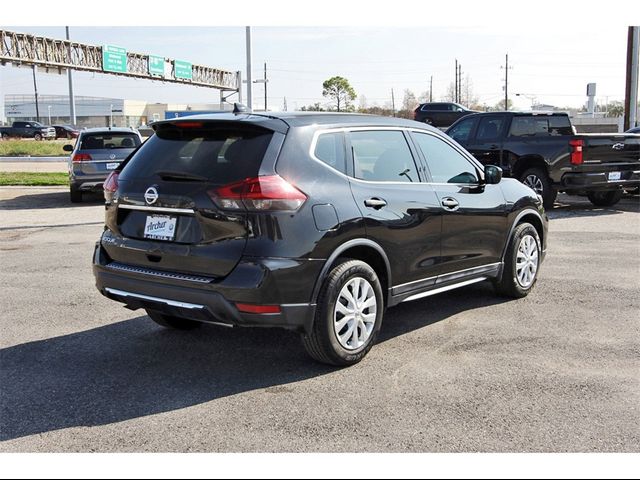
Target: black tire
[(322, 343), (4, 136), (537, 179), (169, 321), (509, 285), (605, 198), (75, 195), (37, 137)]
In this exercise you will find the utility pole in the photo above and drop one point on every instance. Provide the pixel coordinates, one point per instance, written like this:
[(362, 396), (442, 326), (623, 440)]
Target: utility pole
[(459, 83), (285, 104), (455, 95), (35, 90), (506, 83), (249, 78), (393, 103), (265, 86), (72, 100), (631, 90), (431, 89)]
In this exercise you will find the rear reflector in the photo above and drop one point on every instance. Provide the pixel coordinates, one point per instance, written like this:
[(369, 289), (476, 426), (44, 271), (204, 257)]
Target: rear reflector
[(111, 183), (259, 194), (81, 157), (249, 308), (576, 151)]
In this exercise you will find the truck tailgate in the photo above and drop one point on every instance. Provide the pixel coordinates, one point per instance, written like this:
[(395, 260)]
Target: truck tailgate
[(611, 149)]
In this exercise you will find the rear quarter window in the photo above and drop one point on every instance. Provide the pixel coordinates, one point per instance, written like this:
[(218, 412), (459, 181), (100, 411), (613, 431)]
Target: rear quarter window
[(329, 149)]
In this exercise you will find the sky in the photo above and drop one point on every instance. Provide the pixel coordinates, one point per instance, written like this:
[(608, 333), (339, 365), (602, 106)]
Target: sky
[(550, 61)]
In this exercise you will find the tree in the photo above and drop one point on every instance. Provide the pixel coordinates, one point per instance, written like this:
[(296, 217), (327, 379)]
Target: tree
[(362, 103), (316, 107), (499, 107), (615, 109), (409, 101), (339, 91)]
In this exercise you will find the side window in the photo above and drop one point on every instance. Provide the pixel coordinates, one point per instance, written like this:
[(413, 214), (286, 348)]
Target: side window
[(445, 163), (383, 156), (330, 150), (489, 128), (529, 127), (461, 132), (560, 125)]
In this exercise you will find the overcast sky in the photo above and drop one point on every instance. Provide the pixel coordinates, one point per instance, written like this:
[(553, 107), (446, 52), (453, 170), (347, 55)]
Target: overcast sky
[(553, 64)]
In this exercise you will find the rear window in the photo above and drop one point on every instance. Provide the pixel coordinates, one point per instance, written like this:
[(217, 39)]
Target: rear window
[(221, 154), (100, 141), (538, 125)]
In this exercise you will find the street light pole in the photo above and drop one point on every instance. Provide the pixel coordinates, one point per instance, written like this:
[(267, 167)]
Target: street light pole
[(249, 78), (72, 99), (35, 91), (49, 108)]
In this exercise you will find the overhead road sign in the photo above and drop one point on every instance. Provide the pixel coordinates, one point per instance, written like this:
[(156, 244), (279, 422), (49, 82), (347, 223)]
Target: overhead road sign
[(114, 59)]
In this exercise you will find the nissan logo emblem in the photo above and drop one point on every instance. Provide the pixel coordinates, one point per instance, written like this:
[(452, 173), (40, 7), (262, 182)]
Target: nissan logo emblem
[(151, 195)]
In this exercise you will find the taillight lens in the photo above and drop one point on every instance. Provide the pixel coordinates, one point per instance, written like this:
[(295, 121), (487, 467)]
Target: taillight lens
[(576, 151), (81, 157), (111, 183), (259, 194)]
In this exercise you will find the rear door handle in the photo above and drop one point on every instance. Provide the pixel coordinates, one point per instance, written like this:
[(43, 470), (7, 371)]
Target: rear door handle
[(450, 203), (375, 202)]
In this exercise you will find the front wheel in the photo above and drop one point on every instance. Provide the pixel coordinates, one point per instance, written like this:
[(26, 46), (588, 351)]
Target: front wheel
[(37, 137), (538, 181), (348, 317), (521, 262), (606, 198)]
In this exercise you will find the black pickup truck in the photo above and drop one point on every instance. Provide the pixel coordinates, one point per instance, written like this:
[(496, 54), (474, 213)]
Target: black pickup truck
[(543, 151), (28, 130)]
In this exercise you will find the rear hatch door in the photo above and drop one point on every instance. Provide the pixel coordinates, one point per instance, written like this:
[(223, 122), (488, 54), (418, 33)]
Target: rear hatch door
[(104, 151), (164, 210)]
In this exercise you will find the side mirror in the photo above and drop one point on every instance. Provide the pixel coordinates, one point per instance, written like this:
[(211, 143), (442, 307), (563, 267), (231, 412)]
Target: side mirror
[(492, 175), (68, 148)]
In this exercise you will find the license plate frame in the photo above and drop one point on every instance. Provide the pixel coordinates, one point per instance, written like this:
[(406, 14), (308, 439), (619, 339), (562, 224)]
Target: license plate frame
[(614, 176), (160, 227)]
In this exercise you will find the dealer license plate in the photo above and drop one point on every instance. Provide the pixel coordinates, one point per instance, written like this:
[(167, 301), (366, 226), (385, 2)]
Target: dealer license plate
[(112, 166), (160, 227), (614, 176)]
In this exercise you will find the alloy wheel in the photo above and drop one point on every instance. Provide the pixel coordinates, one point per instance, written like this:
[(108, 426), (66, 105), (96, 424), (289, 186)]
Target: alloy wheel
[(527, 261), (534, 183)]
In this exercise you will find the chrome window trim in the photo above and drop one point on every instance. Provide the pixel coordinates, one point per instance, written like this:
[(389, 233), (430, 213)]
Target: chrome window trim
[(157, 209), (444, 289)]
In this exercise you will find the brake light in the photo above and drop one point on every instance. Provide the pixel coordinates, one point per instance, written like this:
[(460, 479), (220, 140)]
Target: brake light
[(268, 193), (250, 308), (81, 157), (576, 151), (188, 124), (111, 183)]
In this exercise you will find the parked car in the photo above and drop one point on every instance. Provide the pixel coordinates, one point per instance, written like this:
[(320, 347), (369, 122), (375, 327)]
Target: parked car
[(633, 130), (34, 130), (66, 131), (440, 114), (543, 151), (97, 152), (310, 222)]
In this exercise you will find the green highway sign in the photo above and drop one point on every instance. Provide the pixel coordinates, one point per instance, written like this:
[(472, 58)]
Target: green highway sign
[(114, 59), (156, 65), (183, 70)]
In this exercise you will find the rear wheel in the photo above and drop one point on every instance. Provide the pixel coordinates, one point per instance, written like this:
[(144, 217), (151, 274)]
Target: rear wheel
[(4, 136), (75, 195), (521, 262), (537, 179), (37, 137), (606, 198), (348, 317), (169, 321)]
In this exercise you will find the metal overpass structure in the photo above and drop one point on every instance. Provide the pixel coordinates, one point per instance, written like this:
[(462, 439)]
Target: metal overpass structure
[(53, 54)]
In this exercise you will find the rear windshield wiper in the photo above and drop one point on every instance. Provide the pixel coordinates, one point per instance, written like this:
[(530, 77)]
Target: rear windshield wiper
[(181, 176)]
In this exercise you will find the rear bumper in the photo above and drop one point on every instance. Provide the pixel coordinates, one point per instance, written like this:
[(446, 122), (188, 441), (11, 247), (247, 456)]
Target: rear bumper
[(87, 182), (254, 282), (600, 180)]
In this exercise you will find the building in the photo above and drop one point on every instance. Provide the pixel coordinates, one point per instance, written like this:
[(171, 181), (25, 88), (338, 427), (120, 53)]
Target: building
[(96, 111)]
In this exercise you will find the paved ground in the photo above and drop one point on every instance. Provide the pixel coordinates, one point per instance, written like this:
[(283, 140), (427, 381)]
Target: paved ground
[(463, 371)]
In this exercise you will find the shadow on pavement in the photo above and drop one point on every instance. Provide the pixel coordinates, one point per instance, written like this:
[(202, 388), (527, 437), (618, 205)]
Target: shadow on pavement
[(134, 368), (50, 200)]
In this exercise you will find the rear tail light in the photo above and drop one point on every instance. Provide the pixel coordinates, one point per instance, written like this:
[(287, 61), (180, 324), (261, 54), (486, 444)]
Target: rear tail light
[(259, 194), (81, 157), (251, 308), (576, 151), (111, 183)]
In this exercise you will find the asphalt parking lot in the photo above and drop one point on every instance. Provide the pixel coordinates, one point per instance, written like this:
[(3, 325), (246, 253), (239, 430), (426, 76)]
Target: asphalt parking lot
[(558, 371)]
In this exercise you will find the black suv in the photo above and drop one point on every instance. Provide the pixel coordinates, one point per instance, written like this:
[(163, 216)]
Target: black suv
[(311, 222), (440, 115)]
